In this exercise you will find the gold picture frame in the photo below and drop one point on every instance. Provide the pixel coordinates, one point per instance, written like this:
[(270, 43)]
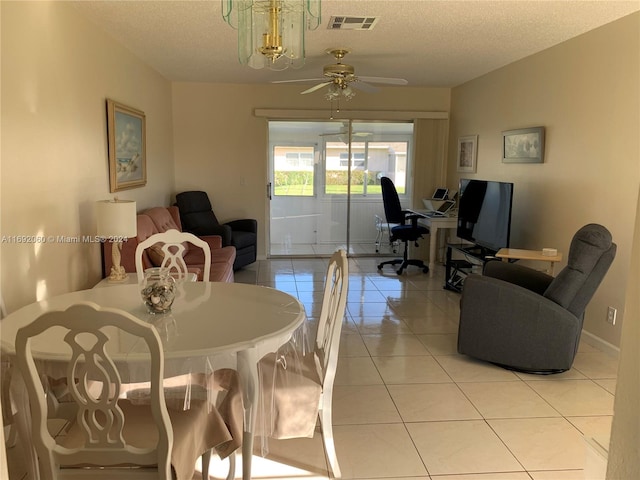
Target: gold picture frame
[(126, 129), (467, 153)]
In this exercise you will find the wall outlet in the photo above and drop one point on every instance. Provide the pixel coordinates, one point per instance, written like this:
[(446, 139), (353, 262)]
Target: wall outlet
[(611, 315)]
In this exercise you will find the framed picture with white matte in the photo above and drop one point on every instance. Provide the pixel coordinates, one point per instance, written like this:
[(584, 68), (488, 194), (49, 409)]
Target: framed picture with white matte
[(467, 153)]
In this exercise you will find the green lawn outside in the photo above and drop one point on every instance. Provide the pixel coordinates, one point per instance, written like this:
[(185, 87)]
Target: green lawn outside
[(294, 190)]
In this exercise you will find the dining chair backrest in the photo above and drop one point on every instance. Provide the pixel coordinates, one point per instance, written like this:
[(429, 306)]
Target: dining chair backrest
[(327, 344), (332, 314), (5, 379), (94, 384), (171, 246)]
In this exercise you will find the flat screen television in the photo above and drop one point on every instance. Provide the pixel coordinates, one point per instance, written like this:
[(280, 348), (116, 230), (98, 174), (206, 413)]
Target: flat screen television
[(484, 213)]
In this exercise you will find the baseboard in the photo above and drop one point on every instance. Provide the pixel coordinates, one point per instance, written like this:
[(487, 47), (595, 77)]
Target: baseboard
[(600, 344), (597, 453)]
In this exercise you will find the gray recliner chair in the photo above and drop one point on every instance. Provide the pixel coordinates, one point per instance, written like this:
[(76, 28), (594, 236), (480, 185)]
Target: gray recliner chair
[(526, 320)]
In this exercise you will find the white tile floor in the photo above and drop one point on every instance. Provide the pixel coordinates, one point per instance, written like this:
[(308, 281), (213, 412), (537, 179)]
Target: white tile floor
[(406, 405)]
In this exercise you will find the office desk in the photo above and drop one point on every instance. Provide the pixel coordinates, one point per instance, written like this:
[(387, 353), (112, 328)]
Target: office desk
[(215, 322), (436, 224)]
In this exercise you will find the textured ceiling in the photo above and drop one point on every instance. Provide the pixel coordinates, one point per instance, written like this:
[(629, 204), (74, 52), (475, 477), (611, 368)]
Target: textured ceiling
[(430, 43)]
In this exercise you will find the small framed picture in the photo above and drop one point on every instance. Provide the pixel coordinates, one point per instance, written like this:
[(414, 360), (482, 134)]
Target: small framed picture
[(525, 145), (127, 150), (467, 153)]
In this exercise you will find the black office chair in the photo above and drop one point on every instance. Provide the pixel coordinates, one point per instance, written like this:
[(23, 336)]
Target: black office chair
[(404, 232)]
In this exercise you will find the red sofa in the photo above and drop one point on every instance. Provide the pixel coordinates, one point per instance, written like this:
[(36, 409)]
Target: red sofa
[(161, 219)]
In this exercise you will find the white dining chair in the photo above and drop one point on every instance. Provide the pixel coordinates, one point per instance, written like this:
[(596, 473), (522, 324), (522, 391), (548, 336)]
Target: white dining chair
[(170, 246), (290, 403), (101, 418), (110, 431), (327, 344), (9, 430)]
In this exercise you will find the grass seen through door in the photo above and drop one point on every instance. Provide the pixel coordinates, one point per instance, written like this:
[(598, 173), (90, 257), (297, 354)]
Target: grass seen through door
[(300, 183)]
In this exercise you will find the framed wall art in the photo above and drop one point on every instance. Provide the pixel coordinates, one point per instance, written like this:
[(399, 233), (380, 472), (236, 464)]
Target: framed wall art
[(525, 145), (467, 153), (127, 147)]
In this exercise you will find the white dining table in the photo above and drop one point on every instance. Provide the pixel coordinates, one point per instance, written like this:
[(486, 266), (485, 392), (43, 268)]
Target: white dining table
[(210, 323)]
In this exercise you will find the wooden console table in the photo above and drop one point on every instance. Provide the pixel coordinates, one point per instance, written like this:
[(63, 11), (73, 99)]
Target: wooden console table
[(507, 254)]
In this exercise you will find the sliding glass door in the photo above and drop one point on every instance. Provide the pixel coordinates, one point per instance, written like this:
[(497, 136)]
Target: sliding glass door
[(325, 183)]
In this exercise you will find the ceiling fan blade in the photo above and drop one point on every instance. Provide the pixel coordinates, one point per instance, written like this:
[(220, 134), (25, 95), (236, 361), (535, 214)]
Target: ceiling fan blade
[(346, 132), (301, 80), (328, 134), (365, 87), (388, 81), (316, 87)]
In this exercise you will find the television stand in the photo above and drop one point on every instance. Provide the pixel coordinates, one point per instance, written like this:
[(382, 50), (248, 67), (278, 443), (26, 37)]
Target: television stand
[(457, 270)]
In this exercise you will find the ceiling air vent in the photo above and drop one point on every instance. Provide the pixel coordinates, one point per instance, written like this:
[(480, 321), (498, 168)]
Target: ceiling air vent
[(352, 23)]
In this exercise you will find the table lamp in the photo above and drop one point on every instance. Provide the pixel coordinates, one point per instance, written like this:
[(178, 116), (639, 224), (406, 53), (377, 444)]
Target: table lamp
[(116, 221)]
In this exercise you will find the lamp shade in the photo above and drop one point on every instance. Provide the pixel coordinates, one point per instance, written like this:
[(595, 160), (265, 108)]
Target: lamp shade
[(116, 218)]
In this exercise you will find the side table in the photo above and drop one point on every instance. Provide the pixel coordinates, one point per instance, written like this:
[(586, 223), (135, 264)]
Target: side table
[(507, 254)]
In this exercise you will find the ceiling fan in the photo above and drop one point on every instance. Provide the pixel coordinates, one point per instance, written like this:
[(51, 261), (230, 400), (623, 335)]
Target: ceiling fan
[(340, 77)]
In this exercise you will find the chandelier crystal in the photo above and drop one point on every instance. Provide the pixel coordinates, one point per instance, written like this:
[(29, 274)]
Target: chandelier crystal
[(271, 32)]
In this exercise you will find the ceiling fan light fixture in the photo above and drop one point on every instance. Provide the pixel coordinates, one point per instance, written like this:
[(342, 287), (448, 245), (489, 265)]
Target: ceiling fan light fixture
[(333, 92), (339, 88), (348, 92), (271, 32)]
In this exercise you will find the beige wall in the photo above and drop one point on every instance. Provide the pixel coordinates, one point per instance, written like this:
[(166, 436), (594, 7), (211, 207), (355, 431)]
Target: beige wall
[(585, 92), (624, 461), (221, 147), (57, 71)]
